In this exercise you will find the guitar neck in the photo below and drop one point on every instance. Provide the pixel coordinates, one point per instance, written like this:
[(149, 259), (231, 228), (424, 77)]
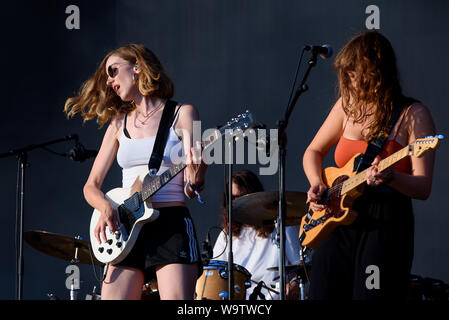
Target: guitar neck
[(159, 181), (360, 178)]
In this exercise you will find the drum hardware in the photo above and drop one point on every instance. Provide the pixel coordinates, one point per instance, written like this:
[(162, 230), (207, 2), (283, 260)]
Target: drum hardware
[(257, 290), (23, 163), (72, 249), (93, 295), (60, 246), (150, 291), (301, 270)]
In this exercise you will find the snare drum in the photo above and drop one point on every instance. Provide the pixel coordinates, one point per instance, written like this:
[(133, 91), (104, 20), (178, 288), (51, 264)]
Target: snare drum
[(213, 283)]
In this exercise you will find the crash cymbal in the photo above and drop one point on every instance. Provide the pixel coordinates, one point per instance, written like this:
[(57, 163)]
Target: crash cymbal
[(261, 208), (60, 246)]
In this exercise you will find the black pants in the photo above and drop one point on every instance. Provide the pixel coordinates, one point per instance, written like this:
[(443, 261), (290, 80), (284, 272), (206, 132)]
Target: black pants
[(378, 244)]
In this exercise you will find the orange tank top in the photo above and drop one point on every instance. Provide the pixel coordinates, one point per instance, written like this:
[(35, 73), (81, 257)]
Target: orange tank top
[(348, 148)]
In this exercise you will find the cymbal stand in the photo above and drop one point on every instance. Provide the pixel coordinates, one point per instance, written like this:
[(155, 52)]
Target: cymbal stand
[(302, 261), (75, 280), (22, 155)]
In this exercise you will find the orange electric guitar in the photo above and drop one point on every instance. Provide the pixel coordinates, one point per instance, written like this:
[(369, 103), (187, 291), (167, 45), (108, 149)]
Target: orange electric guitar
[(344, 186)]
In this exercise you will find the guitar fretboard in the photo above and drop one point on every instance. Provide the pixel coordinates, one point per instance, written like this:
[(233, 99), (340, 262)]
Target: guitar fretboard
[(233, 128), (159, 181), (360, 178)]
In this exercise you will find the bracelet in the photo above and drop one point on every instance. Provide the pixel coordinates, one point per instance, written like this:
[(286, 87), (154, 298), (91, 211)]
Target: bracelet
[(196, 189)]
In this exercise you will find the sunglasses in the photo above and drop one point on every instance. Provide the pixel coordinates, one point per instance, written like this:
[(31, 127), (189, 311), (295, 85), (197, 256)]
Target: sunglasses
[(113, 71)]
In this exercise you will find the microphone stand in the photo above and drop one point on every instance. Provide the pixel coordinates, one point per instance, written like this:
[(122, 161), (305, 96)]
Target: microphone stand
[(230, 252), (22, 155), (282, 141)]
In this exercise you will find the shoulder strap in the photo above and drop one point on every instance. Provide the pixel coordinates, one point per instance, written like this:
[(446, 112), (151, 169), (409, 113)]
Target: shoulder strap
[(125, 131), (375, 145), (161, 137)]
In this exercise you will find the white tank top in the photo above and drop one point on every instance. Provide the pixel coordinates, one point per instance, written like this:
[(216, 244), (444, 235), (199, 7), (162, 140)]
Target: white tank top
[(133, 156)]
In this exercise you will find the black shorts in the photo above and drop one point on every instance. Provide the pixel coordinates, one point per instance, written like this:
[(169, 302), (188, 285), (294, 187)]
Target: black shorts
[(171, 238)]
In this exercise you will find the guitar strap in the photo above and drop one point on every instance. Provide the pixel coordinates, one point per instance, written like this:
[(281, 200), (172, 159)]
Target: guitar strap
[(375, 145), (168, 116)]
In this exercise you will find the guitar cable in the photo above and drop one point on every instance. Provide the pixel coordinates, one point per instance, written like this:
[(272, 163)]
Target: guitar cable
[(94, 268)]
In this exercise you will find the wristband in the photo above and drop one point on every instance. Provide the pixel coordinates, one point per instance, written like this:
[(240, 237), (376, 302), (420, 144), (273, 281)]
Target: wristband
[(196, 189)]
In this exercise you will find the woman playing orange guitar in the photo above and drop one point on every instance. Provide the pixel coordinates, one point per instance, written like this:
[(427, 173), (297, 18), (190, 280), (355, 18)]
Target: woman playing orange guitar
[(372, 257)]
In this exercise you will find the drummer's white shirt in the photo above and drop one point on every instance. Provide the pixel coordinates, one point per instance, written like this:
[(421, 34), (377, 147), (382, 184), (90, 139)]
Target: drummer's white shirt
[(257, 254)]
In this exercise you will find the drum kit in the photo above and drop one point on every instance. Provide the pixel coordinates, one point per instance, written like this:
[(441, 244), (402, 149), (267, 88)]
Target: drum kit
[(258, 209)]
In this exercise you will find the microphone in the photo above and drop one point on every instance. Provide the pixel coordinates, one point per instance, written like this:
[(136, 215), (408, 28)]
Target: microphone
[(325, 51), (80, 153)]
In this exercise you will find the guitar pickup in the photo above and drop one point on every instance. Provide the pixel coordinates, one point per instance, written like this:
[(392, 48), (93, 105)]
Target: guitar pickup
[(308, 216), (133, 203)]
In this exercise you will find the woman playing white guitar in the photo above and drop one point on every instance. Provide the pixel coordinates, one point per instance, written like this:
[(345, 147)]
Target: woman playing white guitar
[(130, 89)]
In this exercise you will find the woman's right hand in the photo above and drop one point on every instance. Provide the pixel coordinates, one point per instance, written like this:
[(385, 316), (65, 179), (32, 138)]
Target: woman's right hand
[(314, 195), (107, 218)]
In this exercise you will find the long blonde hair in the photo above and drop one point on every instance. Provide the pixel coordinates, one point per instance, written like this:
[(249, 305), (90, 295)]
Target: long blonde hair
[(96, 100), (371, 57)]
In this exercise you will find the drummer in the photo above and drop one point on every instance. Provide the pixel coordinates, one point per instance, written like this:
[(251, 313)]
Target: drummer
[(253, 247)]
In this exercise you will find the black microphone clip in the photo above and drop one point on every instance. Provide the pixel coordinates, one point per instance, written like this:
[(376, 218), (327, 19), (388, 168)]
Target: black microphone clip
[(80, 153), (325, 51)]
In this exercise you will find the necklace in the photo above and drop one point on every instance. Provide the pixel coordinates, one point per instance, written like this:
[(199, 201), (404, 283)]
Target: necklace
[(149, 114)]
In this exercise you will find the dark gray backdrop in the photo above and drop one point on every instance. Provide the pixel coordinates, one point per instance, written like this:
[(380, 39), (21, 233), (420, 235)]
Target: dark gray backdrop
[(224, 57)]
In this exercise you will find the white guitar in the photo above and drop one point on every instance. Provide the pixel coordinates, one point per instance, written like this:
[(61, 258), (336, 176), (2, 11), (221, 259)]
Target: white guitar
[(134, 207)]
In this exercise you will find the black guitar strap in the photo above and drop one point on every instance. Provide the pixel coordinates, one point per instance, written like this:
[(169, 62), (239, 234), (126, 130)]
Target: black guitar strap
[(168, 116), (375, 145)]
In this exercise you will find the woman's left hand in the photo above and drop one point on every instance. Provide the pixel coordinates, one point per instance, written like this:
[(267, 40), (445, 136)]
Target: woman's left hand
[(196, 168), (374, 177)]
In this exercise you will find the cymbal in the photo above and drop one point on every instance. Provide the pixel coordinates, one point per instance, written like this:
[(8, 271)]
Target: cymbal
[(262, 208), (60, 246)]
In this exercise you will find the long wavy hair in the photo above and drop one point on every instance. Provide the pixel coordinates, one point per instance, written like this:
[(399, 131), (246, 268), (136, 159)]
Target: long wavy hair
[(377, 87), (248, 182), (97, 100)]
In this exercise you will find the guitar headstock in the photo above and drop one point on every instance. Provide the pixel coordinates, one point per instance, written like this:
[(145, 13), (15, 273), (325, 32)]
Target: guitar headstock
[(238, 125), (421, 146)]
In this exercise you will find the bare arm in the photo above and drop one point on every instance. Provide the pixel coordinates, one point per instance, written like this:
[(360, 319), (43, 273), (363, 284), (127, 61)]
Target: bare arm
[(418, 184), (92, 189), (326, 137), (196, 169)]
